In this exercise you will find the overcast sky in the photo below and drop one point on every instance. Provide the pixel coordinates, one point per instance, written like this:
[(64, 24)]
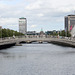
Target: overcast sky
[(45, 14)]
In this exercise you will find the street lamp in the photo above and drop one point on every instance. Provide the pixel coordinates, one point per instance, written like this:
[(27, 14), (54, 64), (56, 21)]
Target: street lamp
[(1, 31)]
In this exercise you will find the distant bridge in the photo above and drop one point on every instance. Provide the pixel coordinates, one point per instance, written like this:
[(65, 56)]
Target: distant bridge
[(17, 41)]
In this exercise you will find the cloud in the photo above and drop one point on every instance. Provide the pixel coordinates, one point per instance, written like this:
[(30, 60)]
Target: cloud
[(39, 12), (33, 26), (40, 15), (5, 21), (34, 5), (11, 23)]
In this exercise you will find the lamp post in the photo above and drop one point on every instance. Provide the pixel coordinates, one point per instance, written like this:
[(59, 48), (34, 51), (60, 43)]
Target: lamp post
[(13, 34), (1, 32)]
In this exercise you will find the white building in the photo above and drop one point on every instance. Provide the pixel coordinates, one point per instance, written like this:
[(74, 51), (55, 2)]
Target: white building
[(23, 25)]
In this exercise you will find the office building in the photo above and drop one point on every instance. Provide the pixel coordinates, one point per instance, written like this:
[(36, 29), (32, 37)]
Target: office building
[(23, 25), (70, 24)]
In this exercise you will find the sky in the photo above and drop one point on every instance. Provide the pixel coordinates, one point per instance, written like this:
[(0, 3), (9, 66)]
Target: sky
[(45, 14)]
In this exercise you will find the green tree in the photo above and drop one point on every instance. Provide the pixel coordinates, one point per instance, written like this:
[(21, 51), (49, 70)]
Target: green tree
[(63, 33), (9, 33)]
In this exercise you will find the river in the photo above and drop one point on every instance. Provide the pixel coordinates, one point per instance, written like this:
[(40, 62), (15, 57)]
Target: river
[(37, 59)]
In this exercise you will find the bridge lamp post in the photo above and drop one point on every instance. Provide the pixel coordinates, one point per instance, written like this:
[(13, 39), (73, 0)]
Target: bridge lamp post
[(1, 31), (13, 34)]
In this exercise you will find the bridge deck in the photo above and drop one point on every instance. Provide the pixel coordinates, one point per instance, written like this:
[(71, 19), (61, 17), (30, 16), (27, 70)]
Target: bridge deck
[(50, 40)]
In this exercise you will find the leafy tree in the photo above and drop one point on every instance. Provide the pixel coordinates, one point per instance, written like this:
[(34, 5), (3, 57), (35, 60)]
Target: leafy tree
[(63, 33), (9, 33)]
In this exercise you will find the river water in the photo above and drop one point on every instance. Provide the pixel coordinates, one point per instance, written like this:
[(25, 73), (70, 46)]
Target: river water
[(37, 59)]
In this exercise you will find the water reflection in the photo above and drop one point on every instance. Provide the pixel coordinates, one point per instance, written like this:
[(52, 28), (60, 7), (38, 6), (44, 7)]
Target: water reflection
[(11, 55), (37, 59)]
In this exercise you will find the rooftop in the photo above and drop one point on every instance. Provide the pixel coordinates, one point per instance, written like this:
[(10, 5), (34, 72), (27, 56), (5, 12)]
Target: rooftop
[(22, 18), (71, 15)]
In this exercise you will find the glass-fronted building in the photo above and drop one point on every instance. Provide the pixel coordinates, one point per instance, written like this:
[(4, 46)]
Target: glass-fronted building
[(23, 25), (70, 23)]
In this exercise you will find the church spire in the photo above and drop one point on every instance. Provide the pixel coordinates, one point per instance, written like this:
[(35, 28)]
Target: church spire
[(41, 29)]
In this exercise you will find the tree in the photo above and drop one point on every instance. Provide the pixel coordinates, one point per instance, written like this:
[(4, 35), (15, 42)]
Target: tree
[(9, 33), (63, 33)]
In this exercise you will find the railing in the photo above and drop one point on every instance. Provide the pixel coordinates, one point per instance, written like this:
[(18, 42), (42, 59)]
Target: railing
[(34, 36)]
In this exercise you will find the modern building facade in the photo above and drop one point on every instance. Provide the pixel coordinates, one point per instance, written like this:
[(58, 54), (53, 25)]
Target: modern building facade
[(70, 23), (31, 32), (23, 25)]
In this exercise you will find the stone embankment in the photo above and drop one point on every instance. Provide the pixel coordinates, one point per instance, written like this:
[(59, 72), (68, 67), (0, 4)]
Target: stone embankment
[(64, 42), (7, 43)]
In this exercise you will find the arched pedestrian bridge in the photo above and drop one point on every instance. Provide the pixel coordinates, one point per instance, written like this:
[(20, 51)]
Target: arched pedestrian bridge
[(17, 41)]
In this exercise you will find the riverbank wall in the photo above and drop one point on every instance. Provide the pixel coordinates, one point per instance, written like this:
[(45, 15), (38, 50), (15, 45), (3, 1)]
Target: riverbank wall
[(5, 46), (64, 43)]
